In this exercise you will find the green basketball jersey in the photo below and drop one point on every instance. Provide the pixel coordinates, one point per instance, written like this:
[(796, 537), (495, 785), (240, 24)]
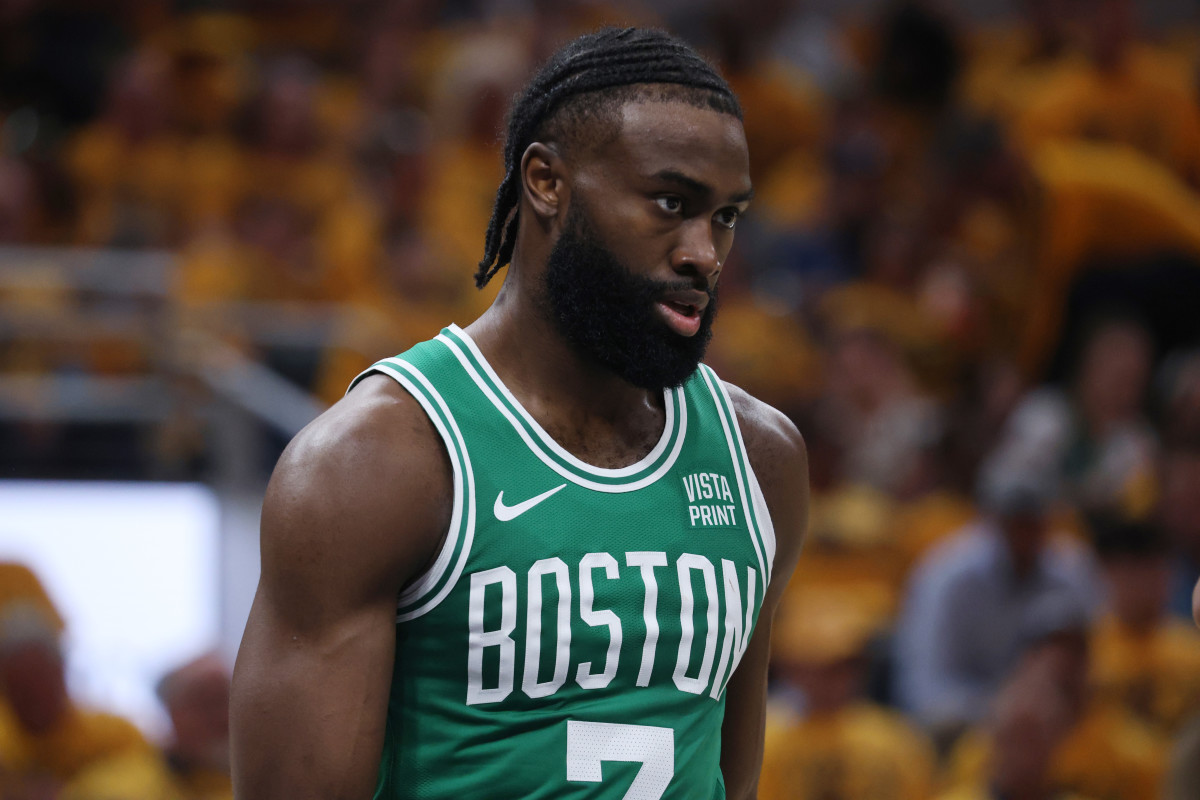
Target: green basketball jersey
[(575, 634)]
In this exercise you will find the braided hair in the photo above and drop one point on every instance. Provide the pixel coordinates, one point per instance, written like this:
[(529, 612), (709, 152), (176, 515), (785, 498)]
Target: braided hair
[(579, 90)]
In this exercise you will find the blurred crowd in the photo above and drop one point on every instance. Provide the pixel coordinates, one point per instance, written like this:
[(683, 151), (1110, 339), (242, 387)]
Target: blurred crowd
[(53, 748), (970, 274)]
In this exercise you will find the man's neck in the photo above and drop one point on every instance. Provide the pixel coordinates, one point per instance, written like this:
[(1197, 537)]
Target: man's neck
[(586, 408)]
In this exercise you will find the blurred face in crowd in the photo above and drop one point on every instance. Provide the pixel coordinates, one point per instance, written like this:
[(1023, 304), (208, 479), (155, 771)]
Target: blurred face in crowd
[(1111, 27), (34, 684), (1180, 505), (18, 199), (1025, 534), (827, 685), (139, 101), (1112, 376), (1061, 660), (867, 370), (1054, 22), (1028, 723), (199, 708), (1138, 588)]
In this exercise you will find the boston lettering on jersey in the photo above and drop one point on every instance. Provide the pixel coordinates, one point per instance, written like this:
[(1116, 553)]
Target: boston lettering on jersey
[(505, 638)]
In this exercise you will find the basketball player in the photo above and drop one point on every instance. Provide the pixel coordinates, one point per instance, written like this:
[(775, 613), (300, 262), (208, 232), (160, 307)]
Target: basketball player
[(539, 557)]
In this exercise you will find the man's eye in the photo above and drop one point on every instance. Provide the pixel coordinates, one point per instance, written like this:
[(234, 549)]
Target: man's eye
[(669, 203), (727, 218)]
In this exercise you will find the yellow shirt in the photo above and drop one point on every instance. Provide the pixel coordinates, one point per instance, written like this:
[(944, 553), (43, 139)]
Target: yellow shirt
[(82, 739), (145, 775), (1148, 102), (981, 792), (1107, 755), (1007, 72), (766, 352), (1154, 675), (862, 752), (784, 110), (1099, 200)]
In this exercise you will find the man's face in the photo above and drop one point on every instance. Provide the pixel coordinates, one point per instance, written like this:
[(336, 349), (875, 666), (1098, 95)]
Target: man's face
[(1025, 534), (607, 312), (1139, 588), (31, 677), (631, 279)]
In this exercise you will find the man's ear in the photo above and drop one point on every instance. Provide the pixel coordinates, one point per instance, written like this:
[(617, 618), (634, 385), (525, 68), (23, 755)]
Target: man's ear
[(542, 180)]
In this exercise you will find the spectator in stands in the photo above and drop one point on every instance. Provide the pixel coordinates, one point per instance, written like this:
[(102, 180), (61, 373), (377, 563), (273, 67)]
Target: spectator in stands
[(1179, 514), (1126, 92), (126, 165), (873, 406), (1027, 723), (1095, 437), (312, 234), (824, 739), (970, 600), (45, 738), (1034, 221), (478, 76), (1183, 775), (1143, 660), (1012, 63), (788, 113), (18, 202), (196, 696), (195, 762), (1179, 389), (1103, 752), (210, 53)]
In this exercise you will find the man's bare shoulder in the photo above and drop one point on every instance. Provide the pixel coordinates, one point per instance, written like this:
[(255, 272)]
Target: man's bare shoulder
[(780, 460), (367, 484), (771, 437)]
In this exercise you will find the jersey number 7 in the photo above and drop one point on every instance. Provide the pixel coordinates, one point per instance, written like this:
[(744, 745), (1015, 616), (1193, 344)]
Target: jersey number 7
[(590, 743)]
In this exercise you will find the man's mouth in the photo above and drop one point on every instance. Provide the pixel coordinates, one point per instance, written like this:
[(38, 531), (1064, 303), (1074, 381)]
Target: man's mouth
[(683, 311)]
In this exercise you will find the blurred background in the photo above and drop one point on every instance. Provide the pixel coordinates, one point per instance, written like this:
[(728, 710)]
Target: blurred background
[(971, 275)]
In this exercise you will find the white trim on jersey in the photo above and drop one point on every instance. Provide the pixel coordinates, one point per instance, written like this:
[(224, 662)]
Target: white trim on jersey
[(737, 452), (538, 450), (464, 489)]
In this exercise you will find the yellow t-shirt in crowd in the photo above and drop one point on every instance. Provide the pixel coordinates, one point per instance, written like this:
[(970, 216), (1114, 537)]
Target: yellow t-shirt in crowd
[(862, 752), (82, 739), (1148, 101), (1099, 200), (1107, 755), (982, 792), (1008, 68), (1154, 675), (146, 775)]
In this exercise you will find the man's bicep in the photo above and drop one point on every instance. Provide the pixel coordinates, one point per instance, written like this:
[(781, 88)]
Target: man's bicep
[(352, 513), (308, 705)]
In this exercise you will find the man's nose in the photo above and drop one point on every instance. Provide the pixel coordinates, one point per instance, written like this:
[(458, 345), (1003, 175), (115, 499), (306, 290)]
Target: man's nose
[(696, 253)]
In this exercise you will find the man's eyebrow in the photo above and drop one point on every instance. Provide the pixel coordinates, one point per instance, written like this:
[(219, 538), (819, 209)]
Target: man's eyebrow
[(696, 186), (743, 197)]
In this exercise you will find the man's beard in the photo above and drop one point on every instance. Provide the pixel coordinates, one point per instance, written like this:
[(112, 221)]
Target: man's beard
[(607, 313)]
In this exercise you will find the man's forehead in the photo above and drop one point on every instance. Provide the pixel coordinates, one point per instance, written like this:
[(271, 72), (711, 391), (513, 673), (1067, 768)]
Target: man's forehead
[(673, 135)]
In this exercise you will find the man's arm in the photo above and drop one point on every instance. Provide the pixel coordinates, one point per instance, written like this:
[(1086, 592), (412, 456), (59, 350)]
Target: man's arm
[(780, 461), (356, 507)]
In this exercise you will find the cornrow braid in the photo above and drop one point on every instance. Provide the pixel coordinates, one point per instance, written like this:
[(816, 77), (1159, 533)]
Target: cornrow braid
[(589, 77)]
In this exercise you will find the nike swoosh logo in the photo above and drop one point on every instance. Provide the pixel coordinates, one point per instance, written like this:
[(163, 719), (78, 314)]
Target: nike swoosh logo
[(505, 513)]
